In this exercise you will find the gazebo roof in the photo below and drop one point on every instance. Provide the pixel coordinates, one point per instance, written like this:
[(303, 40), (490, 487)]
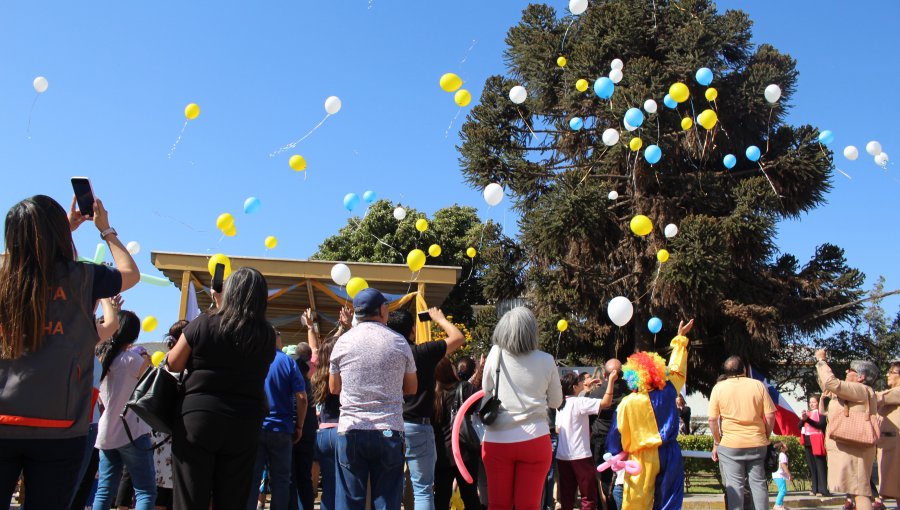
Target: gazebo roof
[(295, 285)]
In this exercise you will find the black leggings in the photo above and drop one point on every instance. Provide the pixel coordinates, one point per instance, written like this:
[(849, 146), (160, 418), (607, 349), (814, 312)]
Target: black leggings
[(444, 474), (817, 469)]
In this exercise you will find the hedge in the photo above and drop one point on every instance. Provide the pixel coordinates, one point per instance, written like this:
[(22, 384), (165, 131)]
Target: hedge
[(698, 467)]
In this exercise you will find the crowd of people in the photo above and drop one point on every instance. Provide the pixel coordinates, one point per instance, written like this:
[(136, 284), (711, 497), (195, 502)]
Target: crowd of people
[(365, 412)]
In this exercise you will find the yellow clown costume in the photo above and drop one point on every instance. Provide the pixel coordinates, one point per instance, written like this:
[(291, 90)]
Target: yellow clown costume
[(645, 426)]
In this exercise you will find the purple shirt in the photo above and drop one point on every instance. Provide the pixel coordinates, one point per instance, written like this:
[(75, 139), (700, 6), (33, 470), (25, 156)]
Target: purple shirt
[(372, 360)]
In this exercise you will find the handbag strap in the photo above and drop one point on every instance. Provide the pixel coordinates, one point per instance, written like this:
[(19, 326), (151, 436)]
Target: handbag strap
[(131, 438), (846, 404), (497, 377)]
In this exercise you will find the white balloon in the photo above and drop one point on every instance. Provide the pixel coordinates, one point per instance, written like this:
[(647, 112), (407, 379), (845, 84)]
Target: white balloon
[(40, 84), (616, 64), (671, 230), (882, 160), (133, 247), (340, 273), (613, 195), (773, 93), (851, 152), (577, 7), (620, 310), (628, 126), (616, 75), (332, 105), (650, 106), (873, 148), (493, 194), (518, 94), (610, 137), (399, 214)]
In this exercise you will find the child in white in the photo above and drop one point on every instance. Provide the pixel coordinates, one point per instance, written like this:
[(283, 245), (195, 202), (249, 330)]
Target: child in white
[(782, 476), (574, 459)]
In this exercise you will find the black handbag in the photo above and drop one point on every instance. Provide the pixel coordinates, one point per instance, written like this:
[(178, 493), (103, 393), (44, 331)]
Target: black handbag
[(155, 400), (490, 407)]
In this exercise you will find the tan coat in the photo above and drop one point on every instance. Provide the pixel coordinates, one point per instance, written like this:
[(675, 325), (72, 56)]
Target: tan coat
[(849, 467), (889, 444)]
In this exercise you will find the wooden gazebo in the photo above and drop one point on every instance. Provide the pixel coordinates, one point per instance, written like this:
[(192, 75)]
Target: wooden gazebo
[(295, 285)]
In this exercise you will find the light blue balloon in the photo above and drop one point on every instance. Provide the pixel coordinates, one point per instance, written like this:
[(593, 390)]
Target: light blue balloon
[(370, 197), (669, 102), (604, 87), (652, 154), (576, 123), (654, 325), (634, 117), (351, 200), (826, 137), (704, 76), (729, 161), (251, 205), (753, 153)]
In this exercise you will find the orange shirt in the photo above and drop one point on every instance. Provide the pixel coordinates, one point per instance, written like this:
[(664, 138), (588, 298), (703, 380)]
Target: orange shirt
[(742, 403)]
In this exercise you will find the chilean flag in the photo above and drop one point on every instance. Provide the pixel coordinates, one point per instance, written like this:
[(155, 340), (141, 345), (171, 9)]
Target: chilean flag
[(787, 423)]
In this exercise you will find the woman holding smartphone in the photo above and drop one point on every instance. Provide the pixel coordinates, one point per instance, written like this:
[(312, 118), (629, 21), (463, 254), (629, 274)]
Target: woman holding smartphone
[(47, 339)]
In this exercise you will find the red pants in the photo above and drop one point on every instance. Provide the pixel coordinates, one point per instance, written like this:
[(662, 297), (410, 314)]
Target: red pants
[(579, 473), (516, 473)]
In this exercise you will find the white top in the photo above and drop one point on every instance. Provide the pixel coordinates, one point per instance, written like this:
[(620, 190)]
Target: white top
[(574, 429), (620, 477), (115, 390), (782, 459), (529, 385)]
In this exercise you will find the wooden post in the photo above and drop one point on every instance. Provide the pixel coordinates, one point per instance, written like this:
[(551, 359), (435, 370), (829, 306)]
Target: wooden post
[(312, 297), (185, 292)]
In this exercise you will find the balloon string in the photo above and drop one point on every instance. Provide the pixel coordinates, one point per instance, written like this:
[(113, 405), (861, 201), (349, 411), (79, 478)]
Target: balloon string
[(30, 112), (768, 128), (447, 132), (378, 238), (562, 44), (177, 140), (836, 168), (653, 287), (466, 56), (770, 182), (304, 137), (526, 123), (558, 339)]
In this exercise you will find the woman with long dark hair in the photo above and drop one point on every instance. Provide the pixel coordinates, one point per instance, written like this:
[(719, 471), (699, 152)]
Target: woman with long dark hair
[(47, 339), (227, 354), (123, 443)]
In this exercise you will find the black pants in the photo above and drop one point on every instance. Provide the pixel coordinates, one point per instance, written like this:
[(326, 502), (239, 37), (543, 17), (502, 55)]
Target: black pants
[(212, 458), (84, 488), (606, 478), (302, 461), (444, 474), (817, 470), (50, 467), (125, 493)]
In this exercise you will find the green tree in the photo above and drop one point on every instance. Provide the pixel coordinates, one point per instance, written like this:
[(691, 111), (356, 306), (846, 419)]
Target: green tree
[(725, 269)]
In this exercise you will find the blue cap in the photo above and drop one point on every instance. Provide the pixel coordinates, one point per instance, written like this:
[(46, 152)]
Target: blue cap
[(367, 302)]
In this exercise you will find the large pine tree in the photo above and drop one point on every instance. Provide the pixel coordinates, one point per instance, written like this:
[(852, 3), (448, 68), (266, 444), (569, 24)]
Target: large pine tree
[(725, 269)]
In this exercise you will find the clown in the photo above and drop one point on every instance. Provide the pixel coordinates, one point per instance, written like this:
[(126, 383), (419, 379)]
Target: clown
[(645, 427)]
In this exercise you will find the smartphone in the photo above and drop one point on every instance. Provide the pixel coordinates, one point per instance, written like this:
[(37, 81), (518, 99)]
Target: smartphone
[(424, 316), (218, 278), (84, 195)]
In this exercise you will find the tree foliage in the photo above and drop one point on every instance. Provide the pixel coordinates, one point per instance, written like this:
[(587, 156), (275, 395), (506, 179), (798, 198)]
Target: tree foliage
[(725, 269)]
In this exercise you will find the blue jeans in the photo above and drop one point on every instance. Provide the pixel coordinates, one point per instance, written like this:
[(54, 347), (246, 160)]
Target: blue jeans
[(421, 456), (326, 441), (373, 455), (782, 491), (274, 451), (547, 502), (138, 458), (618, 491)]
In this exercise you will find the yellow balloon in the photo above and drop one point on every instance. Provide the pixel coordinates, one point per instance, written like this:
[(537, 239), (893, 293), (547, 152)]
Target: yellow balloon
[(462, 97), (224, 221), (561, 61), (355, 285), (450, 82), (149, 323), (641, 225), (711, 94), (421, 224), (157, 358), (581, 85), (230, 231), (219, 258), (635, 144), (707, 119), (191, 111), (271, 242), (434, 250), (679, 92), (471, 252), (297, 162), (562, 325), (687, 123), (415, 260), (662, 255)]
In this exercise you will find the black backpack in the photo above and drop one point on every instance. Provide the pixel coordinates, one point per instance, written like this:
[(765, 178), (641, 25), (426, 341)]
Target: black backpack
[(469, 442), (772, 459)]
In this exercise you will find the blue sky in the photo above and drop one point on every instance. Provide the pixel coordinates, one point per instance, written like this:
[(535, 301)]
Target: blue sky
[(121, 73)]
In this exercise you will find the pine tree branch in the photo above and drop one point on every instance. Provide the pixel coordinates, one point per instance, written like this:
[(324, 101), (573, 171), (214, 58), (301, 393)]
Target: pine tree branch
[(841, 307)]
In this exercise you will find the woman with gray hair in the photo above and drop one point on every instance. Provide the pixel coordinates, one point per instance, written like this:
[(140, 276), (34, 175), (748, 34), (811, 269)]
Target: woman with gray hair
[(516, 448), (849, 465)]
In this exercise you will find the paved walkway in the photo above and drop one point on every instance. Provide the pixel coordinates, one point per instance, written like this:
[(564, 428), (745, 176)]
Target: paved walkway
[(794, 500)]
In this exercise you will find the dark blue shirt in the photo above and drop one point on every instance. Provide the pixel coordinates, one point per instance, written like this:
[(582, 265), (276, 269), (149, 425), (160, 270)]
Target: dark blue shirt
[(282, 385)]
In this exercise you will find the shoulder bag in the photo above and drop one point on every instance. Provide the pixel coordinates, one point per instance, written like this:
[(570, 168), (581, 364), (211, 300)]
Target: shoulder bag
[(855, 428), (155, 400)]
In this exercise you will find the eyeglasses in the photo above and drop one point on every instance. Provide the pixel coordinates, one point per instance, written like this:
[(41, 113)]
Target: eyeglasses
[(894, 372)]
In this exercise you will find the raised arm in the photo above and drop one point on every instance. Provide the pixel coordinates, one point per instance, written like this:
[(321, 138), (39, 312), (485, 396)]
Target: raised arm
[(124, 263), (853, 392), (455, 338), (312, 336), (110, 318), (678, 359)]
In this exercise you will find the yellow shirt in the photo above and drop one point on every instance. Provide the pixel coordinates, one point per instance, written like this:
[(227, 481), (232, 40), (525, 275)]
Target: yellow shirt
[(742, 403)]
